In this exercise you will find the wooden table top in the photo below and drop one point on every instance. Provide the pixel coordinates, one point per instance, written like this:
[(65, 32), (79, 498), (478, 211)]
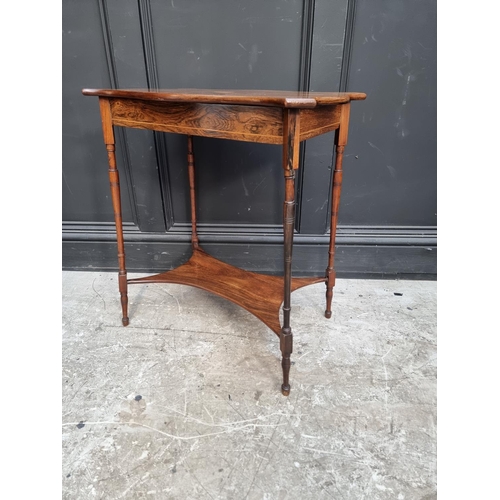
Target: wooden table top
[(279, 98)]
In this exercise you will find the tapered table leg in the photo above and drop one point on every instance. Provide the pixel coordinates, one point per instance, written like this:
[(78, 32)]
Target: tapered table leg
[(290, 164), (114, 182), (341, 141)]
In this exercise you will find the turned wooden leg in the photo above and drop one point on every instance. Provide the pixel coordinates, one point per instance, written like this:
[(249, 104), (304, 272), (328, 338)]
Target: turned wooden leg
[(115, 195), (192, 192), (341, 140), (114, 182), (290, 164), (330, 271), (286, 336)]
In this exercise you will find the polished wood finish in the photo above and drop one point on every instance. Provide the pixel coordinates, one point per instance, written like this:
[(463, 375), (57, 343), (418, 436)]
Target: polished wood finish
[(285, 99), (241, 123), (259, 294), (318, 121), (272, 117)]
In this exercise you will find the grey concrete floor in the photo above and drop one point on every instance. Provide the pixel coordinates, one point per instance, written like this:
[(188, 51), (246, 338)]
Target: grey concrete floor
[(185, 402)]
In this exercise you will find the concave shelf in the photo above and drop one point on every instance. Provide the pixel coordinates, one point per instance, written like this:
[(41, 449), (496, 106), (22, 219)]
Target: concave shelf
[(259, 294)]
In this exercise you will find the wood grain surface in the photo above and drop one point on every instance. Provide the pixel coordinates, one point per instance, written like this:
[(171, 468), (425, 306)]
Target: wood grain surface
[(280, 98), (318, 121), (243, 123), (259, 294)]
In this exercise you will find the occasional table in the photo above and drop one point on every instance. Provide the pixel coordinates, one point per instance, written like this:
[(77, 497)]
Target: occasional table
[(270, 117)]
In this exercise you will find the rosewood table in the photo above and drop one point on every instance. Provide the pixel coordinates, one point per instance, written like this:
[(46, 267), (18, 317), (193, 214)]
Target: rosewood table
[(271, 117)]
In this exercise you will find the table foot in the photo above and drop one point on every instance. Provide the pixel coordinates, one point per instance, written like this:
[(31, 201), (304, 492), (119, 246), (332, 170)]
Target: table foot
[(330, 283), (286, 346), (122, 282)]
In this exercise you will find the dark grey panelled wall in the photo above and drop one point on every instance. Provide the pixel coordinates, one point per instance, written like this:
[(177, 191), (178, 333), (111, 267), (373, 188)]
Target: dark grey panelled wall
[(386, 48)]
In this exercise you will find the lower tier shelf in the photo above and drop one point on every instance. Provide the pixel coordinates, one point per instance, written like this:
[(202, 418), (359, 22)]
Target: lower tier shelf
[(259, 294)]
